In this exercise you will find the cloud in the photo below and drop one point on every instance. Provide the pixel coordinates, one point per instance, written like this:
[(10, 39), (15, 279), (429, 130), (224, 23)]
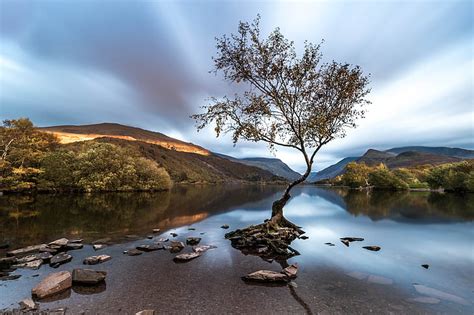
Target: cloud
[(146, 64)]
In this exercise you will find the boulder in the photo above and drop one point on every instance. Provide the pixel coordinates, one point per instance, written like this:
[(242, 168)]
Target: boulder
[(59, 259), (372, 248), (202, 248), (186, 257), (28, 305), (150, 247), (193, 240), (26, 250), (87, 276), (266, 276), (60, 242), (94, 260), (52, 284)]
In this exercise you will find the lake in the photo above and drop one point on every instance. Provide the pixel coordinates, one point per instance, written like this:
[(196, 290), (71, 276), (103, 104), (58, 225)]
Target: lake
[(412, 229)]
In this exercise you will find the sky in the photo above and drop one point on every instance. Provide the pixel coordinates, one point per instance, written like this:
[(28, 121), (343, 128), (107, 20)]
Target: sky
[(147, 63)]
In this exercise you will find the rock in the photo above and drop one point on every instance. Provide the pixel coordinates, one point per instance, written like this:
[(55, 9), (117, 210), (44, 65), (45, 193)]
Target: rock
[(173, 234), (186, 257), (26, 250), (225, 226), (4, 246), (191, 229), (304, 237), (424, 300), (266, 276), (44, 256), (149, 248), (352, 239), (52, 284), (156, 230), (426, 266), (57, 311), (60, 242), (7, 262), (379, 280), (132, 236), (203, 248), (193, 240), (9, 277), (291, 271), (440, 294), (372, 248), (94, 260), (176, 246), (162, 240), (133, 252), (98, 246), (34, 264), (26, 259), (74, 246), (202, 233), (329, 244), (149, 237), (59, 259), (28, 305), (75, 241), (48, 250), (345, 242), (262, 249), (87, 276), (146, 312)]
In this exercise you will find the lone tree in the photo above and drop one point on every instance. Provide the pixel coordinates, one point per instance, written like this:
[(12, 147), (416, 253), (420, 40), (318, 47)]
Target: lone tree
[(289, 101)]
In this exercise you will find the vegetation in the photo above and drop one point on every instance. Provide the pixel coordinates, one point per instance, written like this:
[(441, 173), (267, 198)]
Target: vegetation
[(458, 177), (289, 101), (33, 160)]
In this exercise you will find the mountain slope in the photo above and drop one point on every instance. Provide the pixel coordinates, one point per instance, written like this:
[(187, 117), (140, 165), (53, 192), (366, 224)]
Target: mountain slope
[(273, 165), (331, 171), (446, 151), (72, 133)]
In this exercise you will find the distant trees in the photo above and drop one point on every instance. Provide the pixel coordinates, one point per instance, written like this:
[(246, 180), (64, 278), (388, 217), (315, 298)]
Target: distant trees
[(33, 160), (457, 177)]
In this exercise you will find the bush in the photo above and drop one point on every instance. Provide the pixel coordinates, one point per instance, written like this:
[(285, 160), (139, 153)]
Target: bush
[(356, 175), (453, 177), (382, 178)]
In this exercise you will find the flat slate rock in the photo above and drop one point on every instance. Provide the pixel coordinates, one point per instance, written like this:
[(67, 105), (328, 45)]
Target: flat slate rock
[(329, 244), (52, 284), (87, 276), (193, 240), (146, 312), (59, 259), (28, 305), (225, 226), (426, 266), (60, 242), (98, 246), (266, 276), (9, 277), (26, 250), (372, 248), (74, 246), (186, 257), (352, 239), (150, 247), (34, 264), (291, 271), (345, 242), (133, 252), (203, 248), (94, 260), (176, 246)]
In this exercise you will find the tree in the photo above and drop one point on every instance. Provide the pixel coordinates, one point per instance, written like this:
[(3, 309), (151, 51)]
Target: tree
[(289, 101), (356, 175)]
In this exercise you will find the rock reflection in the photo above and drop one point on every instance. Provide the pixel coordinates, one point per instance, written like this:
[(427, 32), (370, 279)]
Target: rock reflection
[(90, 289)]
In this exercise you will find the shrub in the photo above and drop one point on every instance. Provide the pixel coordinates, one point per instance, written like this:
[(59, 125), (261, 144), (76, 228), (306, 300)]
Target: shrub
[(382, 178), (356, 175)]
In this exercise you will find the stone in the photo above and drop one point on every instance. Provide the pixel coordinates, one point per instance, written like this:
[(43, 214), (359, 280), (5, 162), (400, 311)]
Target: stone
[(176, 246), (329, 244), (26, 250), (28, 305), (74, 246), (57, 311), (266, 276), (59, 259), (34, 264), (87, 276), (304, 237), (44, 256), (150, 248), (133, 252), (156, 230), (291, 271), (379, 280), (426, 266), (225, 226), (424, 300), (191, 229), (372, 248), (345, 242), (146, 312), (193, 240), (186, 257), (203, 248), (94, 260), (352, 239), (9, 277), (149, 237), (52, 284), (7, 262), (75, 241), (162, 240), (60, 242), (98, 246), (173, 234), (422, 289), (48, 250), (4, 246), (26, 259)]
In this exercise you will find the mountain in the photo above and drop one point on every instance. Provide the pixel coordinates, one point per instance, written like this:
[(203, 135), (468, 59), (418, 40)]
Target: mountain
[(185, 162), (72, 133), (396, 158), (273, 165), (331, 171), (455, 152)]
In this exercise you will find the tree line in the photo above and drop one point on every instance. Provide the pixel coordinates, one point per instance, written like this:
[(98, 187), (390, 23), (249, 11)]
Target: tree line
[(32, 160)]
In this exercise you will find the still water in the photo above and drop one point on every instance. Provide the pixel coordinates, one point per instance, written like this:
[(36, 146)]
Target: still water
[(412, 228)]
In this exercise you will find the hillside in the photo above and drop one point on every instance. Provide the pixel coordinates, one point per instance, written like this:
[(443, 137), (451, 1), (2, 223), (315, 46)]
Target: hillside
[(454, 152), (331, 171), (273, 165), (71, 133)]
